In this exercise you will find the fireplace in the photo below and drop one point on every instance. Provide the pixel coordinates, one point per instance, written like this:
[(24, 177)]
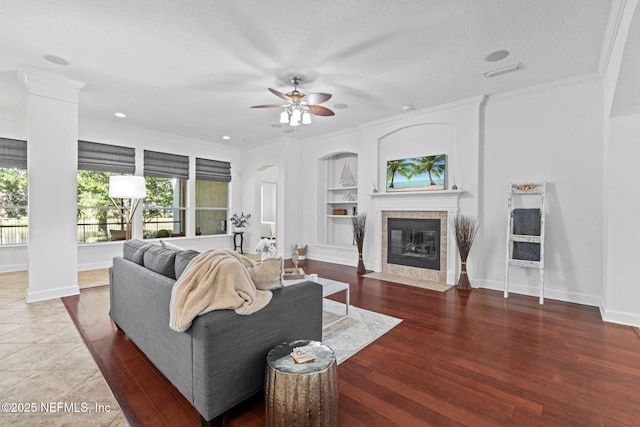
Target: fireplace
[(425, 251), (414, 242)]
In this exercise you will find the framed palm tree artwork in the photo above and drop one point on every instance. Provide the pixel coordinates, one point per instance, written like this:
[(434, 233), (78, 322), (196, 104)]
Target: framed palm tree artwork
[(426, 173)]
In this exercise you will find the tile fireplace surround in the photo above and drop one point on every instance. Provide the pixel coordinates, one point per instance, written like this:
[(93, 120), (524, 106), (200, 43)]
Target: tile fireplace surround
[(441, 205), (416, 272)]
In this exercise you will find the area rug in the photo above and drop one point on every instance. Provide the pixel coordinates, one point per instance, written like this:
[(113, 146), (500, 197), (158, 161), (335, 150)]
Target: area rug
[(350, 335), (410, 281)]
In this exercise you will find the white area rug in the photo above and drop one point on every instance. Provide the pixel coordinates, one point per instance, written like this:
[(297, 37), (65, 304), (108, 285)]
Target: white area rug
[(350, 335)]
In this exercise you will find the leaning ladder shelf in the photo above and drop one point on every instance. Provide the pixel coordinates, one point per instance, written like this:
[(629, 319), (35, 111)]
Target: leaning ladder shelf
[(518, 190)]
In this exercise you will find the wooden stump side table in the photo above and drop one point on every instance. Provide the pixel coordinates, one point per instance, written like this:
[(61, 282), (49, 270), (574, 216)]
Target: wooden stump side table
[(304, 394)]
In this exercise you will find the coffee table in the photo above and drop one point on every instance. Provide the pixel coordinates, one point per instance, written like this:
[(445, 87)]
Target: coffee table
[(329, 287)]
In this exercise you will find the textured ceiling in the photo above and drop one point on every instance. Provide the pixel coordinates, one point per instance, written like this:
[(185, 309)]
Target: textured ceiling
[(193, 68)]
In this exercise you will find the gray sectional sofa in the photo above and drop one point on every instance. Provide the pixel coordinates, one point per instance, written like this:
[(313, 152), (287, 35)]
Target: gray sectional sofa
[(220, 360)]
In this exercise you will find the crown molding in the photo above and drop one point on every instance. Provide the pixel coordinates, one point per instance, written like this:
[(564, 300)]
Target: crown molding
[(619, 10), (50, 85)]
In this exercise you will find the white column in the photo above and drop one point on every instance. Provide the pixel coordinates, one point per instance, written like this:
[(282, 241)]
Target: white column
[(52, 162)]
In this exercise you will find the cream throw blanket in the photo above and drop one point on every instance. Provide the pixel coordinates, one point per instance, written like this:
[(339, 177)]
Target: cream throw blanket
[(214, 280)]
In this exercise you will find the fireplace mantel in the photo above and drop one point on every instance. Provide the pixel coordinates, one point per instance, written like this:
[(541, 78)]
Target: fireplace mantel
[(441, 200)]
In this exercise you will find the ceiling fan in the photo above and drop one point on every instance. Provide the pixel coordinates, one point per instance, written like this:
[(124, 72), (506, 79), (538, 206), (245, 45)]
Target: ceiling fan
[(299, 106)]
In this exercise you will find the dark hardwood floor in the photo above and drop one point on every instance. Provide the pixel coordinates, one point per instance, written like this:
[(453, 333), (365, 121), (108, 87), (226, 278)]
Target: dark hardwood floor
[(457, 359)]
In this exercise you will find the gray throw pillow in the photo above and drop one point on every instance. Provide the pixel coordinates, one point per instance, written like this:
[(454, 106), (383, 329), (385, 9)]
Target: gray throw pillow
[(161, 260), (183, 258), (134, 250)]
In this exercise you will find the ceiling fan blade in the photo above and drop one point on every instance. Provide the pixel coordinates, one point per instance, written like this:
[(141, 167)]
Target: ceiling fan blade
[(319, 110), (266, 106), (279, 94), (316, 98)]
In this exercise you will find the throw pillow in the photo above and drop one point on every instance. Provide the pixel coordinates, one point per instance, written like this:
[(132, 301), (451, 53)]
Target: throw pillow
[(183, 258), (267, 274), (161, 260), (134, 250), (171, 246)]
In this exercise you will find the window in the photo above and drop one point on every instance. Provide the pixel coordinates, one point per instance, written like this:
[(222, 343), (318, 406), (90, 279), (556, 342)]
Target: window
[(212, 196), (98, 219), (165, 206), (13, 192)]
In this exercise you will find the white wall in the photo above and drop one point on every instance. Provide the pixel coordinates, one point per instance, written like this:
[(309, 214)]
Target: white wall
[(622, 290), (553, 134), (286, 156)]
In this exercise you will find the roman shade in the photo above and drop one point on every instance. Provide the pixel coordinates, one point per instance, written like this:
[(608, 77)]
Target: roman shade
[(213, 170), (13, 153), (164, 165), (93, 156)]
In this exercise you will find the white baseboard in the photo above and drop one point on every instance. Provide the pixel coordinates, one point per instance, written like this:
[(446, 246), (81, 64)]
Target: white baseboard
[(52, 293), (14, 267), (620, 317), (94, 265), (549, 293), (335, 260)]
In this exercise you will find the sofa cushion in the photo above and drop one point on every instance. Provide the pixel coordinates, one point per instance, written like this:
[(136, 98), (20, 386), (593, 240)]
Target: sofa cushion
[(183, 258), (134, 250), (161, 260), (267, 274)]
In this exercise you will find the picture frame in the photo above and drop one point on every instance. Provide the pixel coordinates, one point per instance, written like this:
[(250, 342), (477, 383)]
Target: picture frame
[(423, 173)]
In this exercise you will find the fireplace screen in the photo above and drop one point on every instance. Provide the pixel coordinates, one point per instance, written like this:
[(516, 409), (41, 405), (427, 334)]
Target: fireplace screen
[(414, 242)]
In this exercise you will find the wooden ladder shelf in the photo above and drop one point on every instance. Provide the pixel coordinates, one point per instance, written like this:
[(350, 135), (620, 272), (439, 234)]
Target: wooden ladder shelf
[(525, 248)]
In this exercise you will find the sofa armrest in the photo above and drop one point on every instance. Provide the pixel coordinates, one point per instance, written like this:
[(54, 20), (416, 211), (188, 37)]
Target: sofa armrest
[(230, 350)]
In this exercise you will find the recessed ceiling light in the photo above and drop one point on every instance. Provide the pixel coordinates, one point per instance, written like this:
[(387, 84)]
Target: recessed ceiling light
[(340, 106), (246, 140), (120, 114), (226, 137), (55, 59), (501, 71), (496, 56), (408, 108)]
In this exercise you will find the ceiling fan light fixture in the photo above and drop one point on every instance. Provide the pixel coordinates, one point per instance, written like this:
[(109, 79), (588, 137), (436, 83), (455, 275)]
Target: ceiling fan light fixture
[(284, 116), (299, 107)]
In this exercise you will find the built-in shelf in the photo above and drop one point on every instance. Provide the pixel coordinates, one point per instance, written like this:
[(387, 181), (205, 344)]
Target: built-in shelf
[(337, 230)]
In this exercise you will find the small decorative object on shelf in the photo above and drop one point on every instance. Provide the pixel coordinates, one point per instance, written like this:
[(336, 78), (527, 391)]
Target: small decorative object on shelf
[(527, 186), (303, 354), (346, 177), (465, 228), (359, 223), (240, 221)]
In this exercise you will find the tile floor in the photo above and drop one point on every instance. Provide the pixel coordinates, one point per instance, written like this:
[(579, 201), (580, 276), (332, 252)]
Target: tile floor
[(46, 372)]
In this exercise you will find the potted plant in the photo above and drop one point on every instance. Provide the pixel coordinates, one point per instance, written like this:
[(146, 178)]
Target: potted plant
[(240, 221)]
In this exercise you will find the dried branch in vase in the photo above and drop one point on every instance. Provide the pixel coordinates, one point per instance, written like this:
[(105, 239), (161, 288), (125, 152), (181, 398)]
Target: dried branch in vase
[(359, 223), (464, 228)]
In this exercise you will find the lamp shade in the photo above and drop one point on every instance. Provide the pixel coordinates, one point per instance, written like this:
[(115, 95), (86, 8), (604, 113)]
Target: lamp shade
[(129, 187)]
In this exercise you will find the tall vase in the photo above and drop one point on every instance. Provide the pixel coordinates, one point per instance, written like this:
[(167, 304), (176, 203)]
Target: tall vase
[(361, 269), (463, 281)]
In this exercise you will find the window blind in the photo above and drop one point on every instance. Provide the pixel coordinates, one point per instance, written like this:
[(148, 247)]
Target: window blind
[(213, 170), (13, 153), (93, 156), (164, 165)]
